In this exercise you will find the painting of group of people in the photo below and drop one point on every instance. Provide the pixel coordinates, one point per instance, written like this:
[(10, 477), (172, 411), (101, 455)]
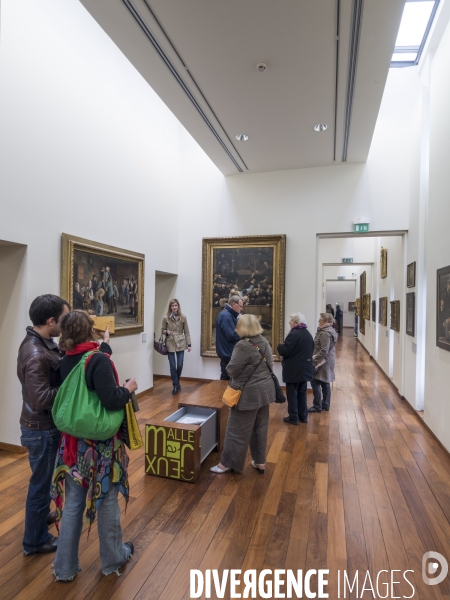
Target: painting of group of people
[(106, 286), (247, 272)]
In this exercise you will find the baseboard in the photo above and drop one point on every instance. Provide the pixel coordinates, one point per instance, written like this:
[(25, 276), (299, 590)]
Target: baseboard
[(433, 435), (13, 448), (199, 379), (412, 410), (144, 393)]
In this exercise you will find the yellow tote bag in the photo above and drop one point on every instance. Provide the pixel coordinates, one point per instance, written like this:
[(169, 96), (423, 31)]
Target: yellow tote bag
[(134, 435)]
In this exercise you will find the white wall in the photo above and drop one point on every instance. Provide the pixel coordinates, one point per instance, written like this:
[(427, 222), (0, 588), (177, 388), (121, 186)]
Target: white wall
[(87, 148), (437, 365), (13, 320)]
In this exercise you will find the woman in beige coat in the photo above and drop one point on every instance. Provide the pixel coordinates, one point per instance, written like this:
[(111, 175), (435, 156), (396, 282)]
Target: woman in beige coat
[(178, 339), (249, 419)]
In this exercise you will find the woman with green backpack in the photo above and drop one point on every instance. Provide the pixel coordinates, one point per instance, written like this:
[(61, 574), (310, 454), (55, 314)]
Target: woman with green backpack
[(91, 465)]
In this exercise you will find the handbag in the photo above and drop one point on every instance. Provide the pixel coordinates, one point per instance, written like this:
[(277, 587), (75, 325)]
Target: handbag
[(232, 393), (77, 410), (160, 345), (279, 394), (131, 435)]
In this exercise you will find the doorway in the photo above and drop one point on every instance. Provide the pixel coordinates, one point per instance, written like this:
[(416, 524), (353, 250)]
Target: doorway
[(342, 293), (165, 284), (13, 322)]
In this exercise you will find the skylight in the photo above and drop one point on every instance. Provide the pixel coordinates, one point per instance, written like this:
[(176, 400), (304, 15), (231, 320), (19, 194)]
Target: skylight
[(414, 27)]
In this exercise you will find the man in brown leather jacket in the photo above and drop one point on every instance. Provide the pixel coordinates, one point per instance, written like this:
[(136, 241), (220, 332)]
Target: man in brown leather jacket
[(38, 372)]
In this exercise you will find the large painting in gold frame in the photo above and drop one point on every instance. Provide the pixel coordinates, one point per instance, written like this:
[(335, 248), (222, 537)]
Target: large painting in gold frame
[(105, 280), (254, 266)]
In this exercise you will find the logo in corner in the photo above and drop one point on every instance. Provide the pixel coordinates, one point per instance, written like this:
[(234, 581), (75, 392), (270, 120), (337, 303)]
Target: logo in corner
[(430, 567)]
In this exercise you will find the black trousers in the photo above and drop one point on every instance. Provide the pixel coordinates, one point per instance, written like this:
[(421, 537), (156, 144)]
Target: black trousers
[(223, 368), (296, 399)]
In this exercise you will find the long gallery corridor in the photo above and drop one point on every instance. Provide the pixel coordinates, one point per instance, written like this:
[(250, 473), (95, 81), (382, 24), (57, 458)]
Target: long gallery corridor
[(363, 487)]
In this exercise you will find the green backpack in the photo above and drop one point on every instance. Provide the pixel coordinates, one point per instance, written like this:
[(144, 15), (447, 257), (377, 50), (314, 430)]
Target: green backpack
[(78, 411)]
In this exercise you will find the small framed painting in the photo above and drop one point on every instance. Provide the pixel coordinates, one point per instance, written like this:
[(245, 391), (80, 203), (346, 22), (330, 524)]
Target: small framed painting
[(411, 275), (410, 313), (383, 263), (395, 315), (374, 311), (351, 307), (382, 318)]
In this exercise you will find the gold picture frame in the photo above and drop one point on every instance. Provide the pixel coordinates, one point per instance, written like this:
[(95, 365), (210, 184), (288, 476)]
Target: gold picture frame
[(89, 267), (382, 319), (366, 306), (395, 315), (383, 263), (255, 266), (357, 307)]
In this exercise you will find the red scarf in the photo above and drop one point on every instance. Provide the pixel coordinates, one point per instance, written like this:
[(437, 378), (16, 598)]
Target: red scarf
[(70, 447)]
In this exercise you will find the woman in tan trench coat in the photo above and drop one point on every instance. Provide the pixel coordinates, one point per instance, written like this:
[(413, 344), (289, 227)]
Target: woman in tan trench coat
[(249, 419), (178, 339)]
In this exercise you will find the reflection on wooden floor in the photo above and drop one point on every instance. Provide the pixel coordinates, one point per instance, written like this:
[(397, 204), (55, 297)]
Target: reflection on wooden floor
[(363, 487)]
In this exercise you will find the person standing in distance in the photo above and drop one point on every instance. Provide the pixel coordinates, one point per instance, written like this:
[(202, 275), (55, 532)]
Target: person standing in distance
[(226, 336), (178, 339), (38, 372)]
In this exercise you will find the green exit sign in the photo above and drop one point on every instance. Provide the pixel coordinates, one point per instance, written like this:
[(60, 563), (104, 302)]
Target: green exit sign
[(361, 228), (341, 277), (347, 260)]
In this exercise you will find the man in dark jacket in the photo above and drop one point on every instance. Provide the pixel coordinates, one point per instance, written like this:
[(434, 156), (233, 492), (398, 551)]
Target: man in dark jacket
[(226, 336), (339, 317), (38, 372), (297, 352)]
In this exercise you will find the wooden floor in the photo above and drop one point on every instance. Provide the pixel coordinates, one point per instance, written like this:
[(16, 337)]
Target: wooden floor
[(363, 487)]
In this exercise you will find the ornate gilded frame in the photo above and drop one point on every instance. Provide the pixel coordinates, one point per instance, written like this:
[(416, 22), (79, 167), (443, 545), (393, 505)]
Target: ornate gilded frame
[(70, 243), (383, 263), (278, 244)]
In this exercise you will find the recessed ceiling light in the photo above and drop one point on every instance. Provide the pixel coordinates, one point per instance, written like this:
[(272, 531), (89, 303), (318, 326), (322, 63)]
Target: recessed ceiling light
[(320, 127), (241, 137)]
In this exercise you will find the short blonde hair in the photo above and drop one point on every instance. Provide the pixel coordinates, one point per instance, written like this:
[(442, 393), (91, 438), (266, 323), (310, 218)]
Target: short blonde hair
[(248, 326), (326, 317)]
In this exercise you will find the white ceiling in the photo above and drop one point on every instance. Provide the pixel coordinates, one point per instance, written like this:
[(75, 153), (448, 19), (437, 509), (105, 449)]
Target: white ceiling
[(200, 57)]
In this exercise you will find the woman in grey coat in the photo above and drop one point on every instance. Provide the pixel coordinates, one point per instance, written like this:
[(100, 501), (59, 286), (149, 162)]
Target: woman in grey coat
[(323, 361), (178, 339), (249, 420)]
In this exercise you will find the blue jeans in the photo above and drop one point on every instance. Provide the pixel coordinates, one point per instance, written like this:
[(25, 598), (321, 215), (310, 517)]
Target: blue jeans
[(176, 366), (113, 551), (42, 448), (322, 394)]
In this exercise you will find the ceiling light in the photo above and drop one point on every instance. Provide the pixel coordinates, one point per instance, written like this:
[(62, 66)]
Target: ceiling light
[(241, 137), (320, 127)]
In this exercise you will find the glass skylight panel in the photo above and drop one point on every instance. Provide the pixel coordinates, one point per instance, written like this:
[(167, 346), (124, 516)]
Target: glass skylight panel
[(414, 27), (404, 57), (414, 23)]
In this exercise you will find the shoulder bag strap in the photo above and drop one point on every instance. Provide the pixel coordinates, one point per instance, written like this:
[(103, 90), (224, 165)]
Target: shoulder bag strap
[(254, 369), (263, 356)]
